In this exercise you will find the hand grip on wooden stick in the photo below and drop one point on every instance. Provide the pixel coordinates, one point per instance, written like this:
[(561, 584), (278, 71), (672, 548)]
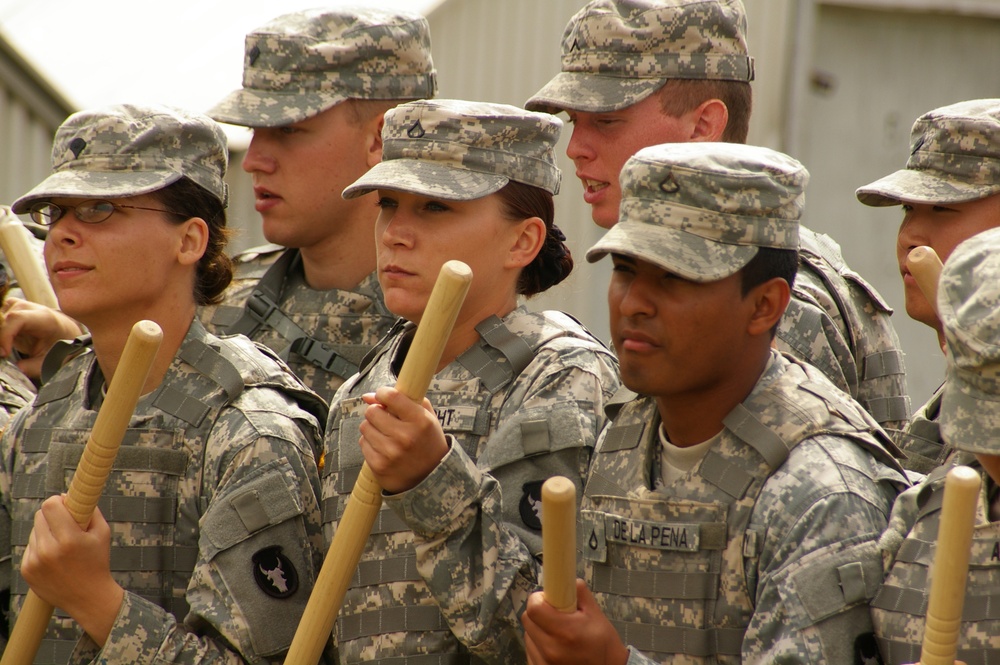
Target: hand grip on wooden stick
[(92, 473), (951, 567), (365, 501), (559, 543), (925, 266), (24, 261)]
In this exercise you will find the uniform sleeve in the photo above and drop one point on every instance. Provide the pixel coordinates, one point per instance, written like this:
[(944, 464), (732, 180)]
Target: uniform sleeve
[(819, 519), (259, 548), (6, 521), (477, 534)]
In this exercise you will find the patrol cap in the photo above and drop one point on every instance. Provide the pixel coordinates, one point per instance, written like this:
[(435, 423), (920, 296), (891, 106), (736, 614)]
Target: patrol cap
[(129, 150), (954, 158), (459, 151), (301, 64), (616, 53), (701, 210)]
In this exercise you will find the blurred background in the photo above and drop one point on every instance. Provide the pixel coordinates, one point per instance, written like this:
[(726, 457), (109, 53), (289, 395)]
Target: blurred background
[(839, 83)]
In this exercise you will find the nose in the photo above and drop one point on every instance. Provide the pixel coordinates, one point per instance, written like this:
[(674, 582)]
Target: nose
[(258, 158), (579, 146), (912, 232), (634, 299), (392, 228)]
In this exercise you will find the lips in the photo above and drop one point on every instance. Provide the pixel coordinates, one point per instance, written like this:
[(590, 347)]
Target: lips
[(264, 199), (66, 269), (634, 340)]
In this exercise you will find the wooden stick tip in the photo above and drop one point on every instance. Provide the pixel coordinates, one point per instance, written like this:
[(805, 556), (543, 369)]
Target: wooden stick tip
[(558, 487), (963, 475), (922, 254), (457, 269), (146, 329)]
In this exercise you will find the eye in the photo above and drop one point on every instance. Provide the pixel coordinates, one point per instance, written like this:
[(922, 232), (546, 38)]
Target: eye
[(385, 202), (436, 206)]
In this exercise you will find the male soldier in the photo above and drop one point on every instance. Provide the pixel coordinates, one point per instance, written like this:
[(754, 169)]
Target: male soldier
[(315, 86), (637, 73), (949, 191), (969, 300), (732, 511)]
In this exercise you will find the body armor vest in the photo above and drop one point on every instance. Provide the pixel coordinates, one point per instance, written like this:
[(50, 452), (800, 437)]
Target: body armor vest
[(921, 439), (899, 610), (322, 337), (154, 496), (387, 594), (673, 562)]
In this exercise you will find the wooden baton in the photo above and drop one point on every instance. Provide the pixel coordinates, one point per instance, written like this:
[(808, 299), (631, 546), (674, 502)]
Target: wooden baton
[(365, 501), (559, 543), (24, 261), (925, 266), (92, 473), (951, 567)]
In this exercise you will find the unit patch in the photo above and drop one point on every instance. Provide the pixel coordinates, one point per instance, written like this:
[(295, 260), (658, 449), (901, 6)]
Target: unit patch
[(531, 504), (274, 573)]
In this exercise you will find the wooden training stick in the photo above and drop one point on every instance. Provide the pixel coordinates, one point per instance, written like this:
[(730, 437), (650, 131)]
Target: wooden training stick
[(925, 266), (365, 501), (28, 269), (559, 543), (92, 473), (951, 567)]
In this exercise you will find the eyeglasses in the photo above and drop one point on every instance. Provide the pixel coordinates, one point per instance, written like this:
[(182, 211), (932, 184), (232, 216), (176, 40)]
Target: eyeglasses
[(47, 213)]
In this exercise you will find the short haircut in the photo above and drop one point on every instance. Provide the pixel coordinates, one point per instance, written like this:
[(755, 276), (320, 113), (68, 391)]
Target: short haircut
[(678, 96)]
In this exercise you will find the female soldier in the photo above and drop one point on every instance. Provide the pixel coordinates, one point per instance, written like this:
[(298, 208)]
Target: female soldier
[(204, 551), (518, 396)]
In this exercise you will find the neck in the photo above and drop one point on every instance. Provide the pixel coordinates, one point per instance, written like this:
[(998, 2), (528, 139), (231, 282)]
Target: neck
[(109, 343), (691, 418), (342, 259)]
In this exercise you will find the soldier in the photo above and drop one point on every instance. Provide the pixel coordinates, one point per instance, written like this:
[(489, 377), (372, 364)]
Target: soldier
[(519, 395), (969, 300), (211, 514), (16, 389), (315, 86), (949, 191), (731, 512), (637, 73)]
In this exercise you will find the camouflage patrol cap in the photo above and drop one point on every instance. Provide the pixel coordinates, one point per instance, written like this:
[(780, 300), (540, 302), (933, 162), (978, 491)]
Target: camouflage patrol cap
[(701, 210), (615, 53), (299, 65), (128, 150), (459, 151), (954, 158), (969, 306)]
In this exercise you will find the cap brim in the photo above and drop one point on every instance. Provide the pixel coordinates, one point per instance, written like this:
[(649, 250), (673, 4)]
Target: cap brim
[(685, 254), (268, 108), (913, 186), (970, 419), (591, 93), (95, 185), (425, 178)]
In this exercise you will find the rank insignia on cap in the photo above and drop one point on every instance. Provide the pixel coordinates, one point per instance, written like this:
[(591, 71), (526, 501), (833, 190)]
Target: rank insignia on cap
[(274, 573), (531, 504), (416, 130), (77, 145)]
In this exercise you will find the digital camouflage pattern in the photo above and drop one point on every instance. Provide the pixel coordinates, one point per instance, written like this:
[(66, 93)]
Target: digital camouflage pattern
[(899, 611), (15, 391), (920, 439), (459, 150), (954, 157), (701, 210), (771, 553), (616, 53), (969, 308), (216, 471), (513, 419), (348, 322), (301, 64), (126, 150)]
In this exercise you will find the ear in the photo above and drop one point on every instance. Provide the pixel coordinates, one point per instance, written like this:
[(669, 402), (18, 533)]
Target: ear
[(528, 240), (373, 134), (709, 120), (193, 241), (769, 301)]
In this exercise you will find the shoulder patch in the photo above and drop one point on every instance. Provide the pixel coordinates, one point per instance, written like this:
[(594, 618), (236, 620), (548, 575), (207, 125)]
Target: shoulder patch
[(274, 573), (531, 504)]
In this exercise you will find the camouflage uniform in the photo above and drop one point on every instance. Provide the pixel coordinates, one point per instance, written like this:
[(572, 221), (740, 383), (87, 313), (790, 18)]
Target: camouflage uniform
[(295, 67), (615, 53), (522, 404), (954, 158), (16, 390), (214, 487), (213, 501), (968, 304), (765, 550)]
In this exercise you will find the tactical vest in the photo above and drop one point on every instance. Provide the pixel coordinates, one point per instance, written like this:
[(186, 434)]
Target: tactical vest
[(316, 332), (15, 390), (155, 495), (387, 594), (899, 610), (875, 372), (668, 568), (921, 439)]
